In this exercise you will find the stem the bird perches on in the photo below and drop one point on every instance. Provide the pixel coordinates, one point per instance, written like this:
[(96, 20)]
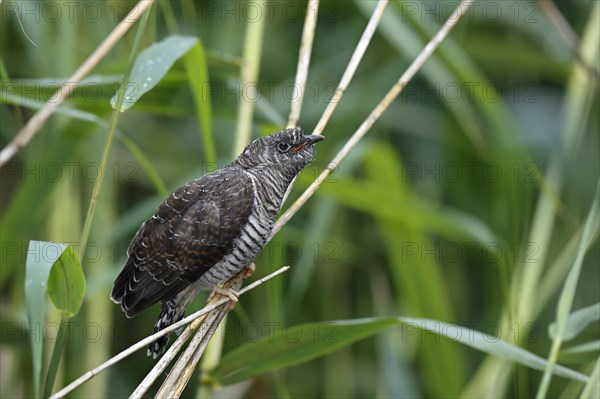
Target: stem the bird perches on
[(144, 342), (187, 362)]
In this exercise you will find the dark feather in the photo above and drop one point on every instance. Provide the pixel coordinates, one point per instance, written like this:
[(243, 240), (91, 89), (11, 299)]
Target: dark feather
[(191, 232)]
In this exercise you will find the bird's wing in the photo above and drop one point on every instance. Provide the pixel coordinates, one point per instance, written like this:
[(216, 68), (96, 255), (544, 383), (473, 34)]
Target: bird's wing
[(191, 232)]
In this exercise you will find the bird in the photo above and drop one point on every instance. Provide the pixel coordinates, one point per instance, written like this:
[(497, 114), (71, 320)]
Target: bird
[(210, 229)]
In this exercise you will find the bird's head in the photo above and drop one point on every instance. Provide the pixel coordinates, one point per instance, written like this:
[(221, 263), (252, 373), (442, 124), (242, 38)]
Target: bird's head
[(289, 150)]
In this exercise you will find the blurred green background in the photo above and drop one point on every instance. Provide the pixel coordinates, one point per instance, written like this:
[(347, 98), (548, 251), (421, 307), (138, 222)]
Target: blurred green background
[(465, 203)]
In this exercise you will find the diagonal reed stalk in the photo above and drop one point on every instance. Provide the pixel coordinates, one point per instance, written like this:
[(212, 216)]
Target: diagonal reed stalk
[(168, 330), (24, 136), (206, 320), (181, 372), (308, 36), (568, 34), (358, 135), (303, 61), (112, 128), (359, 51), (249, 76)]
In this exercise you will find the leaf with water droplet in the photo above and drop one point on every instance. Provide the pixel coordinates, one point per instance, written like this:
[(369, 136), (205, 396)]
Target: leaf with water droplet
[(152, 65)]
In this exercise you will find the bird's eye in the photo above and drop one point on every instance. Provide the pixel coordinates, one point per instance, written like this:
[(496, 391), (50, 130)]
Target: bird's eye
[(283, 146)]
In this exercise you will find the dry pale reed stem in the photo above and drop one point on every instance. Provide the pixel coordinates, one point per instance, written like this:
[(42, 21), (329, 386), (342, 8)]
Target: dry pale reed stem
[(560, 23), (249, 76), (568, 34), (171, 353), (167, 358), (197, 354), (308, 36), (361, 47), (32, 126), (346, 77), (179, 376), (414, 67), (144, 342)]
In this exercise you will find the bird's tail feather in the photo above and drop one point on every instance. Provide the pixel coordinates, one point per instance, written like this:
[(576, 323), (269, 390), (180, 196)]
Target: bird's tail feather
[(170, 314)]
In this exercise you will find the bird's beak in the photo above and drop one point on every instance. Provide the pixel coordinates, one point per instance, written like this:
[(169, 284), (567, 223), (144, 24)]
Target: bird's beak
[(310, 140), (314, 138)]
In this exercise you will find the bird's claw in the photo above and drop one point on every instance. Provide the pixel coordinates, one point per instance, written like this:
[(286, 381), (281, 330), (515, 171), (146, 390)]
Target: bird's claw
[(229, 293), (250, 269)]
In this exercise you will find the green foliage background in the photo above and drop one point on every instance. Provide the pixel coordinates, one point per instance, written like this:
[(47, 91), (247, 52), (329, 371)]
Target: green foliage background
[(465, 203)]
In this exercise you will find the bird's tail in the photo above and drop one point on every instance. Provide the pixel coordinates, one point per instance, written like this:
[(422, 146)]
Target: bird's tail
[(171, 313)]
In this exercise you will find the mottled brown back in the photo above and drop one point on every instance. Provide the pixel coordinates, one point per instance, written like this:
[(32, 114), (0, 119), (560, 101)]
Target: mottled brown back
[(191, 231)]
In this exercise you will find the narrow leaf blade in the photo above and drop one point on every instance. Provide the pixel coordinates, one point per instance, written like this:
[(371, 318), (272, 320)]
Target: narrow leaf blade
[(152, 65), (197, 74), (592, 388), (577, 322), (294, 345), (41, 256), (491, 345), (298, 344)]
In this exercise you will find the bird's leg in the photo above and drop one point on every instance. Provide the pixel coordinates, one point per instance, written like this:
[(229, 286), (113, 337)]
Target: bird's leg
[(250, 269), (232, 294), (228, 292)]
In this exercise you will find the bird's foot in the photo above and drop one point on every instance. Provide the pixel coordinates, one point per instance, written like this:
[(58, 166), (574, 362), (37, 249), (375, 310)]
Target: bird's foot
[(232, 294), (250, 269), (229, 293)]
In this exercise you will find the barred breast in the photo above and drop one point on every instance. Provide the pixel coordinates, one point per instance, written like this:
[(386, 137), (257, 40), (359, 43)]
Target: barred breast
[(253, 235)]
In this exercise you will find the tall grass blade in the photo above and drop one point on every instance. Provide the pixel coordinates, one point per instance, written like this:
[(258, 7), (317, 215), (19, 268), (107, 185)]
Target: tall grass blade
[(41, 256), (592, 388), (197, 73), (576, 322), (492, 345), (569, 290)]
